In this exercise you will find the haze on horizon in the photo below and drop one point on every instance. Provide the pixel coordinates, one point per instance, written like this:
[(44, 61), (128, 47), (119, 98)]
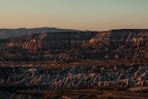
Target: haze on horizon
[(74, 14)]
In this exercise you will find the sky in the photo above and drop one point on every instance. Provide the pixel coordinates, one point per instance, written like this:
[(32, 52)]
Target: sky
[(74, 14)]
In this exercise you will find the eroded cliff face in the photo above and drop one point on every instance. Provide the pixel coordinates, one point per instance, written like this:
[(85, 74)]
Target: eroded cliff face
[(121, 76), (73, 46), (21, 82), (115, 44)]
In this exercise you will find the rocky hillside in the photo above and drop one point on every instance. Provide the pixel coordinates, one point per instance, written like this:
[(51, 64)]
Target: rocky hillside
[(115, 61), (73, 46), (76, 77), (23, 81)]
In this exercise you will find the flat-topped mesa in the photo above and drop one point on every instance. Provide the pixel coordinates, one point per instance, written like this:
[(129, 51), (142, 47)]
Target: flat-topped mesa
[(75, 45), (57, 40), (126, 36)]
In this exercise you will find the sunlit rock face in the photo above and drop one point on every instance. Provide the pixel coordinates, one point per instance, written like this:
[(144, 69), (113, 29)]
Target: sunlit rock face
[(61, 40), (76, 77), (77, 45)]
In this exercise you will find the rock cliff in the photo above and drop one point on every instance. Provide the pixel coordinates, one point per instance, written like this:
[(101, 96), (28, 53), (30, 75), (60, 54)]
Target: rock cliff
[(66, 46), (31, 62)]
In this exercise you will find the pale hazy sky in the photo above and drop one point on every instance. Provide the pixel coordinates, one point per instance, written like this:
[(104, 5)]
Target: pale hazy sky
[(74, 14)]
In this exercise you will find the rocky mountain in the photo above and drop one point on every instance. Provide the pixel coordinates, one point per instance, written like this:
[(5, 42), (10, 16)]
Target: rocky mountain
[(77, 45)]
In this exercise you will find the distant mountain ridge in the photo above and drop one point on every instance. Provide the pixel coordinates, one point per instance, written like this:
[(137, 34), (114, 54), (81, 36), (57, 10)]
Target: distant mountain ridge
[(8, 33)]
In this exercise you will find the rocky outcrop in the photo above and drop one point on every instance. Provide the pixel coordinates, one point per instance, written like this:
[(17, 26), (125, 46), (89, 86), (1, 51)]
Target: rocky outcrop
[(62, 47), (121, 76)]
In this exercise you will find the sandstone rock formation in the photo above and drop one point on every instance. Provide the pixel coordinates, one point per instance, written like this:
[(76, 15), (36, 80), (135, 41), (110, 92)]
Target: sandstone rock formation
[(76, 46), (121, 76), (66, 46)]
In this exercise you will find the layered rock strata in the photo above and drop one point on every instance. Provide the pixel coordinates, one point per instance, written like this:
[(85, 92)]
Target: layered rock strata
[(76, 77), (72, 46)]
